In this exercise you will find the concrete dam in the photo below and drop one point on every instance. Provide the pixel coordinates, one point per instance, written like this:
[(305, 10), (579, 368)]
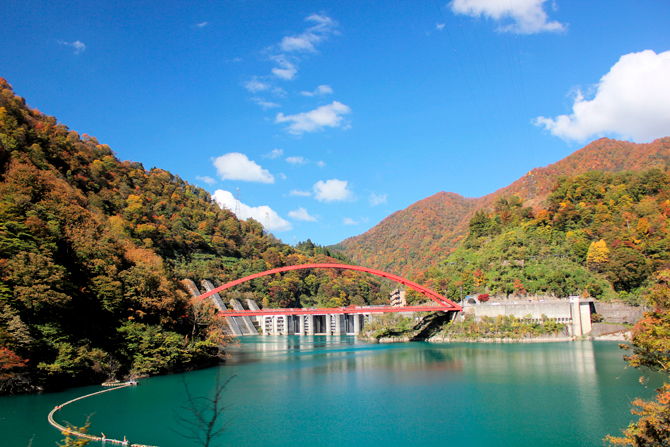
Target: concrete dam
[(278, 324)]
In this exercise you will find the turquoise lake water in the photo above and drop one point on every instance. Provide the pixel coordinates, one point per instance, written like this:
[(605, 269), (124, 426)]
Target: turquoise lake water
[(338, 391)]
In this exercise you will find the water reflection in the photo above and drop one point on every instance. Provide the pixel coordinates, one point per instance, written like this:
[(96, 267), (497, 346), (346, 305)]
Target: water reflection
[(318, 390)]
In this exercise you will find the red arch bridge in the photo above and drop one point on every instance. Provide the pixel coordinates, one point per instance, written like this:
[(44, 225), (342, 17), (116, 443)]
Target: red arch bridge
[(440, 303), (328, 321)]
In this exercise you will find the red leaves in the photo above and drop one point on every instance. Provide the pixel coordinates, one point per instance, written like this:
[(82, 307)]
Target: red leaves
[(8, 362)]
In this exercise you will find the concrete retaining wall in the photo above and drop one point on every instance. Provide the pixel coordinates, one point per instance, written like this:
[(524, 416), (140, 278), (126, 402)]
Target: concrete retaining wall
[(555, 309), (574, 312), (619, 312), (602, 328)]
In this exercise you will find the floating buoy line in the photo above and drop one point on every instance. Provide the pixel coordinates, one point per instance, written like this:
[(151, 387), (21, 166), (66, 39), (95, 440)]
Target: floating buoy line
[(113, 386)]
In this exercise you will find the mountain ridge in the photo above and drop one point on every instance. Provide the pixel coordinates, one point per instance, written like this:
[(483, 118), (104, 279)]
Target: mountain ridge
[(381, 248)]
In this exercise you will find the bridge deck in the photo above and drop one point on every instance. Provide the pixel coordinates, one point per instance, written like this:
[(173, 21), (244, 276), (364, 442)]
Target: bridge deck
[(336, 310)]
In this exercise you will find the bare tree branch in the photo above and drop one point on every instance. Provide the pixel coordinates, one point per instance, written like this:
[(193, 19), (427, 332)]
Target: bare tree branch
[(204, 422)]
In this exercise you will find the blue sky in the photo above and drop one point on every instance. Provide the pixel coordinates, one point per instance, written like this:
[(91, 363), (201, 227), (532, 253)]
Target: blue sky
[(329, 116)]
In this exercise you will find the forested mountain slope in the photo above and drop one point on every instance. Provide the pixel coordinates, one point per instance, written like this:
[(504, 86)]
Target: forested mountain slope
[(418, 237), (92, 251), (601, 235)]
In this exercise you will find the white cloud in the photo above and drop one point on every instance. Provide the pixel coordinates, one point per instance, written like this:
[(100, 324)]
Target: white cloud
[(284, 54), (349, 221), (236, 166), (286, 69), (527, 16), (202, 24), (298, 192), (297, 43), (78, 46), (280, 92), (255, 86), (206, 179), (296, 160), (275, 153), (325, 116), (321, 163), (333, 190), (320, 90), (376, 199), (263, 214), (301, 214), (439, 26), (305, 42), (265, 104), (631, 101)]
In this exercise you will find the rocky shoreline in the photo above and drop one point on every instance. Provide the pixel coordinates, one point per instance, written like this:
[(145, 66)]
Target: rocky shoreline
[(617, 336)]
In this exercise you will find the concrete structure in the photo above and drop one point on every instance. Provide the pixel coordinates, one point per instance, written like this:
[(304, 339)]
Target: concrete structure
[(575, 312), (191, 287), (619, 312), (326, 324), (282, 324), (216, 299), (398, 298), (243, 321), (233, 323)]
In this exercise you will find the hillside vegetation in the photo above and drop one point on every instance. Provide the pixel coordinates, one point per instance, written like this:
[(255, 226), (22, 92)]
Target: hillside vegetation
[(599, 234), (422, 235), (92, 251)]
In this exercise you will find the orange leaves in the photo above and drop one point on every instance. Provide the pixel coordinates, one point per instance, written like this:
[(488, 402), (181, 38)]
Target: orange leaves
[(143, 256), (9, 363)]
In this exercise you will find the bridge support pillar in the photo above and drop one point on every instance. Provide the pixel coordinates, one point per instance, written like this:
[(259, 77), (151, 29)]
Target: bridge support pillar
[(327, 327), (310, 325), (286, 330), (301, 324), (357, 323), (338, 324)]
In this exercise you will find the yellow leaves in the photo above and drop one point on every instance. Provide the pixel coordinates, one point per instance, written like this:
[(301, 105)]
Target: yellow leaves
[(134, 204), (597, 255), (602, 213), (642, 226), (117, 226)]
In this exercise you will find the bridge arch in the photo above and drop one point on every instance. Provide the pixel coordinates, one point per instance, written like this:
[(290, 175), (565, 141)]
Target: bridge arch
[(425, 291)]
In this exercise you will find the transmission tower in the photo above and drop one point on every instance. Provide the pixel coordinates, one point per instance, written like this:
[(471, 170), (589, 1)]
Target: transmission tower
[(238, 194), (267, 221), (531, 185)]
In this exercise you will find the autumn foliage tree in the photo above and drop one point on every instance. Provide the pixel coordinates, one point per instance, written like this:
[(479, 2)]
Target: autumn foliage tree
[(650, 346)]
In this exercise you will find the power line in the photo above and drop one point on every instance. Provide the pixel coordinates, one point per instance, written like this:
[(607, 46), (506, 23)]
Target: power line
[(460, 64)]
